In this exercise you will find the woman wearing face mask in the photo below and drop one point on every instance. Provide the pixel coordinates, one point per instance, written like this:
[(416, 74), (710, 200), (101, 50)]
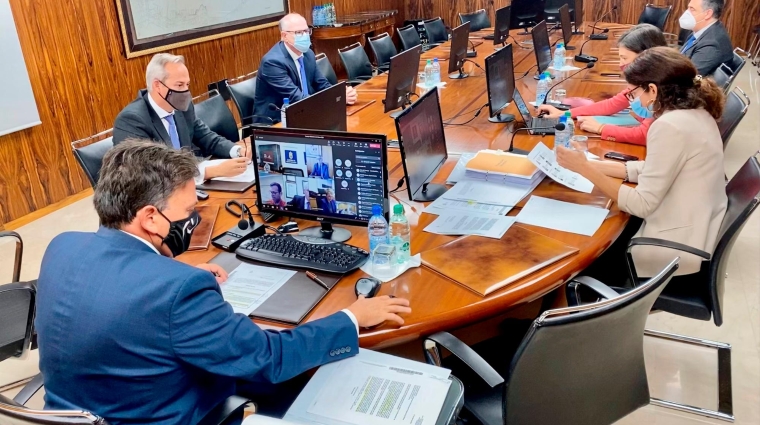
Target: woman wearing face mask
[(631, 44), (681, 193)]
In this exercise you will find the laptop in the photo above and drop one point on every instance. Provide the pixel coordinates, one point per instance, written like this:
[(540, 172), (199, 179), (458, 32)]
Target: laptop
[(534, 122)]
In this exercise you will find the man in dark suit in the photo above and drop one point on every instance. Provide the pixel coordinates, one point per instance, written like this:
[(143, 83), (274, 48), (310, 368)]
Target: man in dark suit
[(302, 202), (709, 44), (289, 70), (320, 169), (165, 113), (128, 332), (328, 204)]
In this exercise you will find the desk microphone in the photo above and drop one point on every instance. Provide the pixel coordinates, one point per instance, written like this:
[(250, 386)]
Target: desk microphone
[(558, 127), (588, 66), (472, 53), (602, 36), (580, 57)]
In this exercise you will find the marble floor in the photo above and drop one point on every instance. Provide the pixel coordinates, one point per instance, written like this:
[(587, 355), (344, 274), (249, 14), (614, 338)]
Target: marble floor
[(676, 372)]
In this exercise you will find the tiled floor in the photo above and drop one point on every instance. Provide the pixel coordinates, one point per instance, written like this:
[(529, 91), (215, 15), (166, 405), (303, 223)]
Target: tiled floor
[(676, 372)]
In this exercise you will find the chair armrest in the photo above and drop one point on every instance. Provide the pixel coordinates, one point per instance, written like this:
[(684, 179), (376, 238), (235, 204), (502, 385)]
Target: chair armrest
[(29, 390), (465, 354), (668, 244), (572, 290), (226, 411)]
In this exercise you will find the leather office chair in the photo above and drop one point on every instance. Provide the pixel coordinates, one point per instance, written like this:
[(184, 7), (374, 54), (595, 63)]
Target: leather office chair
[(409, 37), (655, 15), (384, 49), (216, 115), (755, 46), (580, 365), (737, 63), (356, 62), (737, 105), (551, 9), (325, 67), (243, 92), (89, 153), (436, 31), (525, 14), (723, 77), (478, 20)]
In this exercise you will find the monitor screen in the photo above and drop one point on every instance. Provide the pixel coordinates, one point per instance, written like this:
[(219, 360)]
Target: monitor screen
[(320, 175), (500, 79), (331, 104), (459, 39), (564, 19), (501, 29), (423, 143), (541, 46), (402, 78)]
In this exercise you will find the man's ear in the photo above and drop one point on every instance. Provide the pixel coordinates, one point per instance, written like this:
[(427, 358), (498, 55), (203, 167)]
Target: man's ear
[(147, 218)]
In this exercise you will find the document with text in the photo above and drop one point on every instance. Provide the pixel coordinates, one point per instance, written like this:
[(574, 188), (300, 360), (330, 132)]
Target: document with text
[(471, 223), (484, 192), (249, 286), (544, 159), (443, 205), (563, 216), (246, 177)]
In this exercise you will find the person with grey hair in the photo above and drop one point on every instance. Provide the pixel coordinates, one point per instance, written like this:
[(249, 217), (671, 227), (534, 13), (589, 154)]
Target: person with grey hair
[(709, 45), (289, 70), (164, 113), (127, 331)]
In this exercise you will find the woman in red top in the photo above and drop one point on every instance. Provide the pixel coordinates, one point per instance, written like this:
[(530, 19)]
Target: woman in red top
[(631, 44)]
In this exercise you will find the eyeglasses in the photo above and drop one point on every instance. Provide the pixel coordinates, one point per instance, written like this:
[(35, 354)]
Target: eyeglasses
[(629, 94), (301, 32)]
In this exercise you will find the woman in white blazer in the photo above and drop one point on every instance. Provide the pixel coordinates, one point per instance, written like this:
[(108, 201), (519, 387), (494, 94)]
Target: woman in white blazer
[(680, 192)]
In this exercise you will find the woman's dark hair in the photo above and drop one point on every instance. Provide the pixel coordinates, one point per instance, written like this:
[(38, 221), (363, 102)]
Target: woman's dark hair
[(642, 37), (678, 86)]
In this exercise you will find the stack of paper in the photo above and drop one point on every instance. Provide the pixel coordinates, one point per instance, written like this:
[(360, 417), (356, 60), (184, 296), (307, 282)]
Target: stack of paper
[(443, 205), (486, 192), (503, 167), (562, 216), (469, 223)]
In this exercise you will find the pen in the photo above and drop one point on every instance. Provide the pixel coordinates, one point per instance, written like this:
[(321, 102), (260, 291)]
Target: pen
[(314, 277)]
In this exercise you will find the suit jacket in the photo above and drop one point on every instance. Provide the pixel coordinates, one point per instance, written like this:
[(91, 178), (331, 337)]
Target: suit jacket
[(323, 171), (299, 201), (138, 119), (681, 192), (711, 49), (137, 337), (331, 206), (278, 79)]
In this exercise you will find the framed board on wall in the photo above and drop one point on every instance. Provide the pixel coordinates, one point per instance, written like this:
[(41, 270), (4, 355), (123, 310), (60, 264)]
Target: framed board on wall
[(150, 26)]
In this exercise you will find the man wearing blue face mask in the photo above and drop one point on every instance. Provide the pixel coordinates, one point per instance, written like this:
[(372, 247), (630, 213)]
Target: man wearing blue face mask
[(289, 70), (709, 45)]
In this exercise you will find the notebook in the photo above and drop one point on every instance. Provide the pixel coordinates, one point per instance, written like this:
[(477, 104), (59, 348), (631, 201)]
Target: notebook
[(202, 234), (620, 120)]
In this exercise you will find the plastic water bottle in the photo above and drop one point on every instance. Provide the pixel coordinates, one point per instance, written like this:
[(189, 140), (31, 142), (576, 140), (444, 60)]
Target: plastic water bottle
[(315, 16), (436, 74), (542, 88), (559, 56), (320, 16), (429, 74), (563, 137), (377, 228), (400, 233), (285, 104), (333, 14)]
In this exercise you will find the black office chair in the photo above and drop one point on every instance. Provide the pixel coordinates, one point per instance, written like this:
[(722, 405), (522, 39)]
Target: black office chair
[(723, 77), (580, 365), (737, 62), (292, 171), (551, 9), (525, 14), (216, 115), (356, 62), (383, 49), (655, 15), (436, 31), (409, 37), (478, 20), (325, 67), (737, 105), (243, 92), (89, 153)]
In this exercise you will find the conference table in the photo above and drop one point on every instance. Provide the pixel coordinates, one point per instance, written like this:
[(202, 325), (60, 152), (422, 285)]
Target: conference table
[(437, 303)]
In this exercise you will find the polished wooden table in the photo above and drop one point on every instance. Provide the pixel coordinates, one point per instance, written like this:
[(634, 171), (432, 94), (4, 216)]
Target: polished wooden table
[(437, 303)]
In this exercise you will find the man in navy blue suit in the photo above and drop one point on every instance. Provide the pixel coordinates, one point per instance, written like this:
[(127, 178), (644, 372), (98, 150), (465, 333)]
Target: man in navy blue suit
[(131, 334), (289, 70), (320, 169)]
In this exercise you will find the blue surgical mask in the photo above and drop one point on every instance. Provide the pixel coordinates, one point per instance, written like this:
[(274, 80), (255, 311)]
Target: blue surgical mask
[(302, 42), (641, 110)]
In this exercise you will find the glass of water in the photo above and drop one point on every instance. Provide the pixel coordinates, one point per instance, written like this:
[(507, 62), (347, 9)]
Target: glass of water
[(384, 261), (580, 140), (559, 95)]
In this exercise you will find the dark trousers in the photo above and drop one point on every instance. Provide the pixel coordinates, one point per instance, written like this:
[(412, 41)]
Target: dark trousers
[(611, 268)]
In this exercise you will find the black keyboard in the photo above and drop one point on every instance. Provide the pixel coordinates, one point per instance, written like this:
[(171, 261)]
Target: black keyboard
[(543, 123), (304, 252)]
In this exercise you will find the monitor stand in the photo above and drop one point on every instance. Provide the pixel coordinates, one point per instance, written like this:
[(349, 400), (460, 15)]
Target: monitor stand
[(499, 118), (525, 31), (407, 102), (327, 231), (430, 192), (460, 76)]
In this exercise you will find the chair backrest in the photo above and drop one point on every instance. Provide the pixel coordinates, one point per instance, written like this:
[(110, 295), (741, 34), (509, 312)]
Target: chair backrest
[(89, 153), (737, 105), (355, 61), (477, 19), (737, 62), (409, 36), (723, 77), (436, 31), (743, 192), (243, 93), (588, 361), (12, 414), (525, 13), (655, 15), (217, 116), (17, 301), (383, 48), (325, 67)]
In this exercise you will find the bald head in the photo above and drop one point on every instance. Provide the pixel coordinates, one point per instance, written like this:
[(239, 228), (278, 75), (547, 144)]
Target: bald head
[(293, 22)]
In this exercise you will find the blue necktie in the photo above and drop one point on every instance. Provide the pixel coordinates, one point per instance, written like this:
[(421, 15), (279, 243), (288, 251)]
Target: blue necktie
[(689, 43), (304, 81), (173, 135)]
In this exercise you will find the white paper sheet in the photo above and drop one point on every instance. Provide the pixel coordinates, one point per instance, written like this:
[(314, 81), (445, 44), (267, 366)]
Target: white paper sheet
[(562, 216), (249, 286), (487, 192), (443, 205), (470, 223), (247, 177), (566, 68), (265, 420), (460, 169), (544, 159), (414, 262)]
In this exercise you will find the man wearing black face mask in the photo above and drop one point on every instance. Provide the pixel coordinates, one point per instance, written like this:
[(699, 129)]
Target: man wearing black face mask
[(164, 112)]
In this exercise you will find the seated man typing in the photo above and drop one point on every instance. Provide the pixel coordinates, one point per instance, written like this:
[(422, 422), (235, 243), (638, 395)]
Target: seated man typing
[(289, 70), (133, 335)]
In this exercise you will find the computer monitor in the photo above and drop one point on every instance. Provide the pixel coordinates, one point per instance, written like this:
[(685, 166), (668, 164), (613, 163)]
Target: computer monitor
[(501, 29), (324, 110), (578, 17), (541, 47), (500, 82), (402, 79), (567, 30), (460, 36), (342, 176), (423, 146)]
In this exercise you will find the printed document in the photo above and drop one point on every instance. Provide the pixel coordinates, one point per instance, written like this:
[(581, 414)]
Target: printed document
[(249, 286), (443, 205), (248, 176), (544, 159), (562, 216), (484, 192), (460, 169), (471, 223)]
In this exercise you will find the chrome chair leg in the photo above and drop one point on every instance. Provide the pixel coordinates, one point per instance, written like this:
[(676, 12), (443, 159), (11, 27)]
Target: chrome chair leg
[(725, 410)]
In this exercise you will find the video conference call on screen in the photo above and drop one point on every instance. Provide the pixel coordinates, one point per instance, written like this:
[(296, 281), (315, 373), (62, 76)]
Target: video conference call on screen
[(320, 176)]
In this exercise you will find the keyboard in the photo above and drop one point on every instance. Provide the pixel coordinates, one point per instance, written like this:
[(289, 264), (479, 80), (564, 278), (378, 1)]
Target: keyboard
[(304, 252), (543, 123), (488, 37)]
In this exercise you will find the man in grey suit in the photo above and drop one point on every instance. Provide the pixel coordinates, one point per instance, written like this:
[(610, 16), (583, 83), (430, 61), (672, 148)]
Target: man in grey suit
[(709, 44), (164, 113)]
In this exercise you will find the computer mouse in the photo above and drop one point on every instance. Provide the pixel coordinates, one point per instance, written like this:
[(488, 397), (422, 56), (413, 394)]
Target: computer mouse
[(367, 286)]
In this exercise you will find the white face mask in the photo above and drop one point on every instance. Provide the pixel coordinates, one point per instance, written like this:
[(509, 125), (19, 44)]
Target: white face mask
[(687, 21)]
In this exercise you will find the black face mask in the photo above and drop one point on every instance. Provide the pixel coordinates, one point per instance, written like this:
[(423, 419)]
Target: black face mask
[(180, 100), (180, 233)]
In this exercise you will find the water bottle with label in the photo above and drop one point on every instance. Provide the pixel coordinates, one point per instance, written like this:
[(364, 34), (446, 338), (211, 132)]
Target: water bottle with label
[(559, 56), (436, 72), (285, 104), (314, 16), (377, 228), (542, 88), (400, 234), (563, 137), (429, 74), (333, 14)]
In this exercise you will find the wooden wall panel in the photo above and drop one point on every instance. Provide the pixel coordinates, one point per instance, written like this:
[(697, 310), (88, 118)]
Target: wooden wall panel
[(81, 80)]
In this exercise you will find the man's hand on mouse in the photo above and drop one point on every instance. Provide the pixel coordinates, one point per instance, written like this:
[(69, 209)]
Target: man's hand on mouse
[(374, 311)]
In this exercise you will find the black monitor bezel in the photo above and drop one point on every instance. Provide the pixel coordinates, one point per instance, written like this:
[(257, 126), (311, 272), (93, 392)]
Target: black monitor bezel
[(459, 35), (397, 62), (321, 134), (308, 107), (541, 31), (507, 50), (567, 33), (500, 37)]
